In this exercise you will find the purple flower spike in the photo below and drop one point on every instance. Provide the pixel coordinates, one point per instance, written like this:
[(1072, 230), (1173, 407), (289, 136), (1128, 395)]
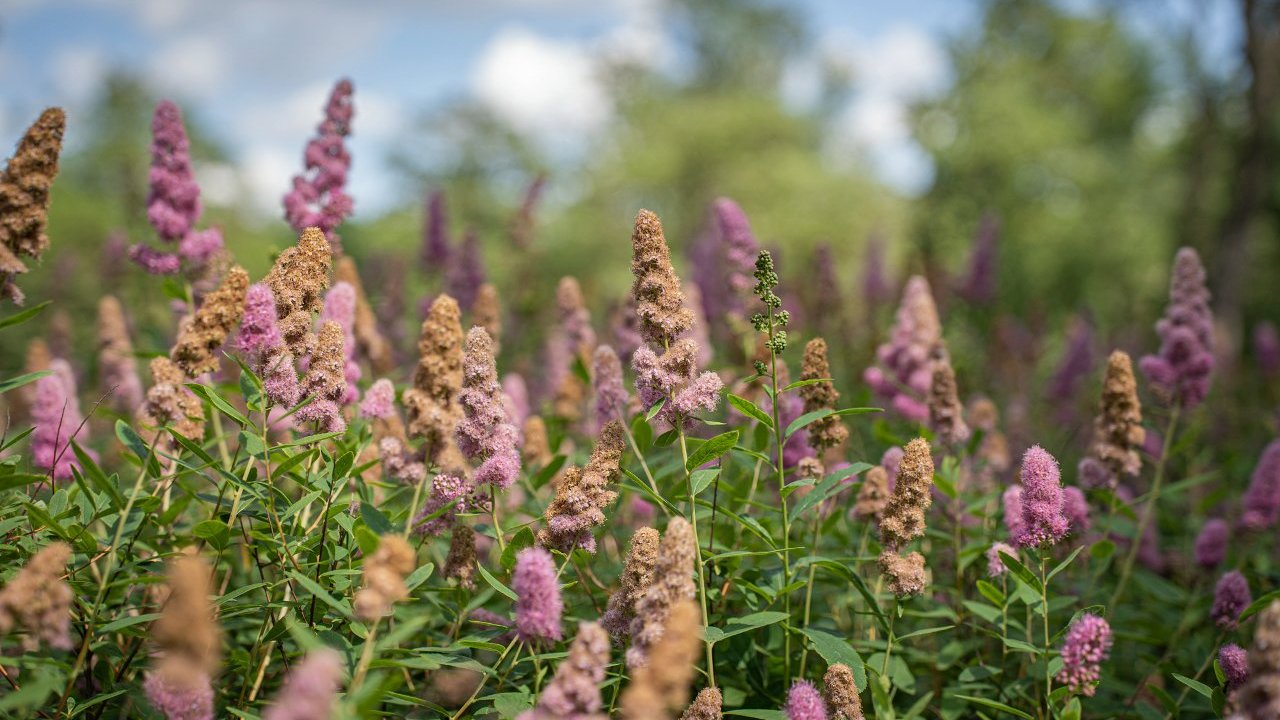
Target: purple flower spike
[(1087, 645), (875, 282), (1266, 348), (154, 261), (904, 371), (465, 272), (1235, 665), (173, 202), (56, 416), (1180, 370), (309, 690), (435, 234), (380, 401), (804, 702), (1076, 508), (538, 603), (318, 198), (1261, 501), (1043, 502), (340, 307), (1230, 598), (1211, 544), (979, 284), (724, 258), (259, 333)]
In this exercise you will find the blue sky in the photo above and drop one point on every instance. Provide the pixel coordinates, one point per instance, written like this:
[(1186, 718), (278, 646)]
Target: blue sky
[(255, 72)]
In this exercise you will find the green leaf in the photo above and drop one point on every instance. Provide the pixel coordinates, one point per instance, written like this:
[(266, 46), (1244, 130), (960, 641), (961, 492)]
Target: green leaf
[(1258, 605), (1196, 685), (995, 706), (992, 593), (816, 415), (315, 589), (523, 539), (830, 485), (711, 449), (657, 407), (1021, 572), (130, 439), (1063, 565), (804, 383), (1020, 645), (17, 480), (124, 622), (374, 518), (23, 315), (700, 479), (215, 532), (17, 382), (761, 714), (510, 704), (925, 631), (750, 409), (208, 394), (747, 623), (836, 650), (495, 583)]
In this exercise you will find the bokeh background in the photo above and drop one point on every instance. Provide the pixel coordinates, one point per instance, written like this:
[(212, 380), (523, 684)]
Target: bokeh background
[(1089, 139)]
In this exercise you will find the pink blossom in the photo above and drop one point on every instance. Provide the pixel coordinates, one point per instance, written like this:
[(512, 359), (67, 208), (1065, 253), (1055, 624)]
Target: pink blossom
[(538, 604), (1086, 647), (380, 401), (310, 688), (318, 198), (1043, 502), (804, 702), (192, 701), (56, 416)]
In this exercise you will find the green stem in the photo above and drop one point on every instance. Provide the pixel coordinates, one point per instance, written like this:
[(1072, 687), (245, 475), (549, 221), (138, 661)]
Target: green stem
[(779, 441), (693, 521), (808, 590), (480, 685), (366, 657), (1044, 613), (1203, 667), (1148, 510)]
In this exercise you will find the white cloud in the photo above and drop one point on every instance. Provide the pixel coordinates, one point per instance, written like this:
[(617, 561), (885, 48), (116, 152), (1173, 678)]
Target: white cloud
[(195, 66), (544, 87), (890, 72), (76, 73)]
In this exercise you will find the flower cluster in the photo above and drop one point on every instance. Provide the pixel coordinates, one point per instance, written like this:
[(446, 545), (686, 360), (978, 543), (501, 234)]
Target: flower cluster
[(24, 198), (1180, 370), (905, 370), (318, 198), (1117, 431), (538, 604), (1086, 647)]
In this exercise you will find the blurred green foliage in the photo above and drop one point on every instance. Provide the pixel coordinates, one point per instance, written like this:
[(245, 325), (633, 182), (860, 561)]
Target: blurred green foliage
[(1100, 151)]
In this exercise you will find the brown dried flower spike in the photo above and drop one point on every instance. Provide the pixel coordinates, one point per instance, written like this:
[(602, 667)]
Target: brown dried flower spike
[(38, 600), (903, 518), (841, 693), (659, 303), (432, 401), (384, 573), (583, 496), (946, 414), (198, 342), (298, 280), (827, 432), (1117, 430), (637, 575), (24, 198), (662, 685)]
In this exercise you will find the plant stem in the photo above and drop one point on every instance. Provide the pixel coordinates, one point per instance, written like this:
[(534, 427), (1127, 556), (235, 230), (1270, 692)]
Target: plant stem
[(366, 657), (1148, 510), (808, 590), (693, 521), (1044, 613), (480, 685), (779, 441)]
